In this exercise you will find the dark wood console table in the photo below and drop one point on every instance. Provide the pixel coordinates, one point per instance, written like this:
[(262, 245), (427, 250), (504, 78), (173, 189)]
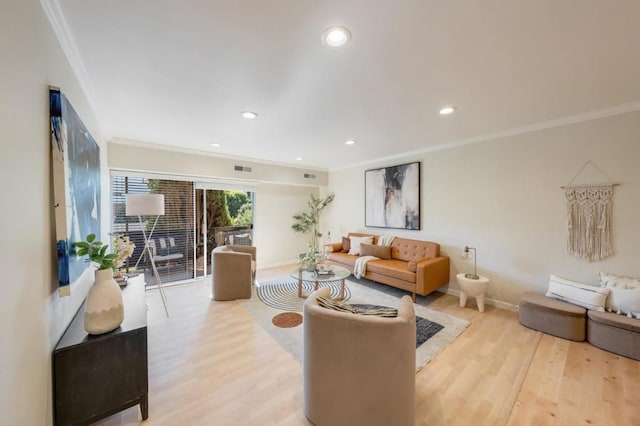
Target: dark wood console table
[(97, 376)]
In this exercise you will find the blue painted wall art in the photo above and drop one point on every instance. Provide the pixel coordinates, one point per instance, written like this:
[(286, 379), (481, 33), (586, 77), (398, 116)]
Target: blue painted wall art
[(76, 181)]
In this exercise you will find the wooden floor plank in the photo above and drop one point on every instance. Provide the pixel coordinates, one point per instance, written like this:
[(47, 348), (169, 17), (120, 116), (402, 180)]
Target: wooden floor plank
[(211, 363)]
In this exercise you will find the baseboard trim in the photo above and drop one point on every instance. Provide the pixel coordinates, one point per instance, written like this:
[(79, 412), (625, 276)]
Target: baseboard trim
[(488, 301)]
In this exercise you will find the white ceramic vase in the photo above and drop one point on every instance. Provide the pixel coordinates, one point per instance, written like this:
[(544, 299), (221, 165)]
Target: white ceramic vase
[(103, 308)]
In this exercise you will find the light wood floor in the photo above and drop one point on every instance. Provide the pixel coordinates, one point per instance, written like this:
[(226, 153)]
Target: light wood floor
[(211, 364)]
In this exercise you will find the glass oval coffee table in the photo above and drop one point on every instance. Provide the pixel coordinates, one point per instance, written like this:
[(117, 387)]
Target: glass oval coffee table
[(336, 273)]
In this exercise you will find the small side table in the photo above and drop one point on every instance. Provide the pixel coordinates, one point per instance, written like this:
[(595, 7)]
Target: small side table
[(472, 288)]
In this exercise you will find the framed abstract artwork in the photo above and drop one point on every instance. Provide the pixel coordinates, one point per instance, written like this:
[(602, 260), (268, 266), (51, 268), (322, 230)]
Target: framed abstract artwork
[(392, 197), (75, 158)]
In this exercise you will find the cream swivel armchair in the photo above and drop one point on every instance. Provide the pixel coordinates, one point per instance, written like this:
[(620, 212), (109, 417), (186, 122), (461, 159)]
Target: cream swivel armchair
[(233, 271), (358, 369)]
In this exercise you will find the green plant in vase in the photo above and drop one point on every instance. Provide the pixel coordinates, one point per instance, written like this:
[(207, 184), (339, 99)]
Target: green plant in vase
[(307, 222), (103, 307), (96, 252)]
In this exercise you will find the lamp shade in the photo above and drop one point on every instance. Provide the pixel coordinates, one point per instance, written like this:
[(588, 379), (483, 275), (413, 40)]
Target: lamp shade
[(144, 204)]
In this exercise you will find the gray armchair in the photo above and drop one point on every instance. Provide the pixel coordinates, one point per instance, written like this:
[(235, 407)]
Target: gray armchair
[(358, 369), (233, 272)]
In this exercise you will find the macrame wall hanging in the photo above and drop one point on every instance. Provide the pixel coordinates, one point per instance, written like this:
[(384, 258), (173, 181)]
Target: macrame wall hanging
[(589, 218)]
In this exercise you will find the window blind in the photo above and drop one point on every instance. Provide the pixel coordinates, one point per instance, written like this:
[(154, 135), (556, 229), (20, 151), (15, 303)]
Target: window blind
[(173, 236)]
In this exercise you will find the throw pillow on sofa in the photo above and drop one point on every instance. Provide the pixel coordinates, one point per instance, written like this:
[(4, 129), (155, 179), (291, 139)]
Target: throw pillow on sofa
[(355, 244), (346, 244), (383, 252), (624, 295), (587, 296)]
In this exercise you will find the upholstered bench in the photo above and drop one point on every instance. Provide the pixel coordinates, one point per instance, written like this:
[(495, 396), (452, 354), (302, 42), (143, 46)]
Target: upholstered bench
[(614, 333), (553, 316)]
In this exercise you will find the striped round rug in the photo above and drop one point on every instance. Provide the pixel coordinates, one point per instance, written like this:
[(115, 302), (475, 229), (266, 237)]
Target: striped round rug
[(284, 295)]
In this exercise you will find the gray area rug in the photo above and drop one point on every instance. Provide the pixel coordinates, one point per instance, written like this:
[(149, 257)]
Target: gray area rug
[(362, 292)]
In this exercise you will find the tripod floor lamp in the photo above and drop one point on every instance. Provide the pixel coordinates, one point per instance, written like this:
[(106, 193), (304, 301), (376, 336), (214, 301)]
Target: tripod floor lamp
[(147, 205)]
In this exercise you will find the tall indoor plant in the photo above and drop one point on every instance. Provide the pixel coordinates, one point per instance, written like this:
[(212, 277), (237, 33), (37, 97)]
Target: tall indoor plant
[(307, 222), (103, 308)]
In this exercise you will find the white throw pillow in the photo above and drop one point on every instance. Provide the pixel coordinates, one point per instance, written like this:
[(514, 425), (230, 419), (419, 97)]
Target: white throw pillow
[(355, 244), (624, 296), (587, 296)]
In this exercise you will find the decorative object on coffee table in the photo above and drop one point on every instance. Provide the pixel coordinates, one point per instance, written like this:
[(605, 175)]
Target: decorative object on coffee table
[(103, 308)]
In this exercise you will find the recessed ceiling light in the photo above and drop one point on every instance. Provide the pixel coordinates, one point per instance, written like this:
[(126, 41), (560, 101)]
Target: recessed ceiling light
[(447, 110), (350, 142), (216, 145), (336, 36), (299, 158), (249, 114)]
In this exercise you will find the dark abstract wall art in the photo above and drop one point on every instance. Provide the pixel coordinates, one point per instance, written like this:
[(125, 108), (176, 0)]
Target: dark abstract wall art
[(392, 197), (75, 157)]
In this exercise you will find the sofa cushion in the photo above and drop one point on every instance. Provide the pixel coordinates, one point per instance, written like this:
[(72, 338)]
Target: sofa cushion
[(587, 296), (346, 244), (624, 294), (392, 268), (624, 301), (407, 250), (358, 234), (612, 280), (613, 320), (412, 266), (543, 303), (355, 244), (344, 259), (382, 252)]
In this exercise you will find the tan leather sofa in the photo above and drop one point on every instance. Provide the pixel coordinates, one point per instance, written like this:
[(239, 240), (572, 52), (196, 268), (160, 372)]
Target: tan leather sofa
[(358, 369), (431, 269), (233, 269)]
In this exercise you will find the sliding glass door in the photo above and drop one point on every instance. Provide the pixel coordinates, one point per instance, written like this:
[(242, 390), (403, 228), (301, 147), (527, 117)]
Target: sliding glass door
[(199, 216), (223, 217)]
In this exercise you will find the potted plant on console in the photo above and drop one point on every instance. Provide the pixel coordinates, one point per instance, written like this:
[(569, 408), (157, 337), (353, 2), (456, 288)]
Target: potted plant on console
[(103, 308), (307, 222)]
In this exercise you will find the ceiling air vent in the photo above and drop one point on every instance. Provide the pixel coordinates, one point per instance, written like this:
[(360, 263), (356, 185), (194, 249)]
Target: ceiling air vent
[(309, 176), (242, 169)]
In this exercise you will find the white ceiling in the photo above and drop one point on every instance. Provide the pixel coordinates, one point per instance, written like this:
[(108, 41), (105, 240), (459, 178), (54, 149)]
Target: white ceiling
[(179, 73)]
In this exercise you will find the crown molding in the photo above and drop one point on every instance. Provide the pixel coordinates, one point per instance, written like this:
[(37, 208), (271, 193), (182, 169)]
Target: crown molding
[(572, 119), (58, 22), (193, 151)]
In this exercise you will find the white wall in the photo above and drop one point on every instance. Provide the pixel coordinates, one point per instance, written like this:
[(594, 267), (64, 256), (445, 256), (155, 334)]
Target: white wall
[(276, 203), (276, 242), (130, 155), (32, 315), (503, 197)]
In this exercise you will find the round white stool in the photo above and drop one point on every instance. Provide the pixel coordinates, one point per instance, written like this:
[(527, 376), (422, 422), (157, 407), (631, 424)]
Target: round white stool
[(472, 288)]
